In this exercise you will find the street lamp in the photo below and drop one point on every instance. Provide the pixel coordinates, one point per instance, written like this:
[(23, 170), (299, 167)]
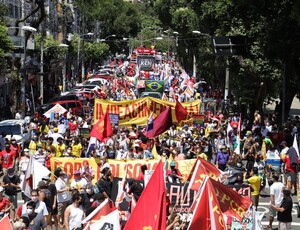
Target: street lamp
[(78, 54), (104, 39), (155, 39), (42, 69), (194, 57), (200, 33)]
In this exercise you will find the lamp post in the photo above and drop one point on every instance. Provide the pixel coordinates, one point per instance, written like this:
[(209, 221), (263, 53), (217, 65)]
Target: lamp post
[(78, 54), (194, 56), (104, 39), (156, 39), (42, 68)]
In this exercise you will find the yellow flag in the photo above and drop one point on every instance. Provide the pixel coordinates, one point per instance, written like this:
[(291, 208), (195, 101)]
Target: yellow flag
[(264, 150), (154, 152)]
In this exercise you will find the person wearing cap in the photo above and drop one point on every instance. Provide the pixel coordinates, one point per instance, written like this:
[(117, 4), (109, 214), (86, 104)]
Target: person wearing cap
[(284, 210), (87, 172), (173, 174), (41, 155), (7, 158), (11, 184), (63, 195), (55, 135), (78, 182), (5, 204)]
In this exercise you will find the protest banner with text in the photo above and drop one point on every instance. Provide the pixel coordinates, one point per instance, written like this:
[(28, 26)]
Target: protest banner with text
[(138, 111)]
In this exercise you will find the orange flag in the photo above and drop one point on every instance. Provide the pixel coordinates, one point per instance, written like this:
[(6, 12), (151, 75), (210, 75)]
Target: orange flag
[(207, 212), (102, 129), (150, 210)]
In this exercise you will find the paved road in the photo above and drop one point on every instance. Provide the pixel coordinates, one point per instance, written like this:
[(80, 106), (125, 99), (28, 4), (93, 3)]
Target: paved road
[(264, 207)]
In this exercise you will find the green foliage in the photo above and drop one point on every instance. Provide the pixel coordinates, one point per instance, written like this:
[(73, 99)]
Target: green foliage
[(95, 51), (51, 47), (116, 16), (5, 48)]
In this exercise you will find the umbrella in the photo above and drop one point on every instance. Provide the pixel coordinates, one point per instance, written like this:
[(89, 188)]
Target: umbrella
[(55, 109)]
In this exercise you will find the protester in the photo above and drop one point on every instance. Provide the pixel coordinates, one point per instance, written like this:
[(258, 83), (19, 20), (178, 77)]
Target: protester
[(62, 194), (5, 204), (255, 182), (291, 161), (105, 183), (7, 158), (36, 219), (222, 158), (11, 184), (173, 174), (73, 214), (284, 210), (78, 182), (276, 197)]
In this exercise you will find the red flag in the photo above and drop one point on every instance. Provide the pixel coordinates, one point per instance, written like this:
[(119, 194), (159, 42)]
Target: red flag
[(160, 124), (102, 129), (180, 112), (199, 171), (102, 210), (150, 210), (207, 212), (231, 203), (5, 223)]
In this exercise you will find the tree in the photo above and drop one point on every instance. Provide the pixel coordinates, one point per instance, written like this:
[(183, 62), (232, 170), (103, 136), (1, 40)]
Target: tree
[(273, 32)]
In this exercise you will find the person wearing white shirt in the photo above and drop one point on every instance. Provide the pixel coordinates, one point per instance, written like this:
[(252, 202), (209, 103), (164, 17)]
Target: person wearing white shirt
[(40, 206), (276, 197), (55, 135)]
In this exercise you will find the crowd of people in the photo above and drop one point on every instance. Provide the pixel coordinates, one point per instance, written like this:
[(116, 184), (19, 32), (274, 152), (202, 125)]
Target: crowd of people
[(237, 147)]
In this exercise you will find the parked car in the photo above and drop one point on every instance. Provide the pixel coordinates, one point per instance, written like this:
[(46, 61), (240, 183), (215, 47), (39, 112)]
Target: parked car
[(63, 98), (15, 128), (94, 81), (75, 105), (151, 94)]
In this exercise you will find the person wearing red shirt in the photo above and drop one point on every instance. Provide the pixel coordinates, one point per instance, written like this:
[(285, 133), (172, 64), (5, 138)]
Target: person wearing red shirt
[(142, 172), (5, 205), (7, 158), (291, 161), (17, 149), (173, 174)]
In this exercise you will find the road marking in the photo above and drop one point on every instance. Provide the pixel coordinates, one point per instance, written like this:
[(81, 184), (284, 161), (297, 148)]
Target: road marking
[(276, 223)]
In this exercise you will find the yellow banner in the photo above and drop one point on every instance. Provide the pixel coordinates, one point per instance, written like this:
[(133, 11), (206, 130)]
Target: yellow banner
[(137, 111), (69, 165)]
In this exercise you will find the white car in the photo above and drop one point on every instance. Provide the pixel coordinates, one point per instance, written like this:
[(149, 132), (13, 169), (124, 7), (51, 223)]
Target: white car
[(93, 81), (16, 129)]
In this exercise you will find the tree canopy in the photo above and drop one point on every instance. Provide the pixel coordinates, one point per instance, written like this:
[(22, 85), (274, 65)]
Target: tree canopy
[(273, 32)]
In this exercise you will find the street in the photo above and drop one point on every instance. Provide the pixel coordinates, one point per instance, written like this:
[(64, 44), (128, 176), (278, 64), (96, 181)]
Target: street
[(264, 207)]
